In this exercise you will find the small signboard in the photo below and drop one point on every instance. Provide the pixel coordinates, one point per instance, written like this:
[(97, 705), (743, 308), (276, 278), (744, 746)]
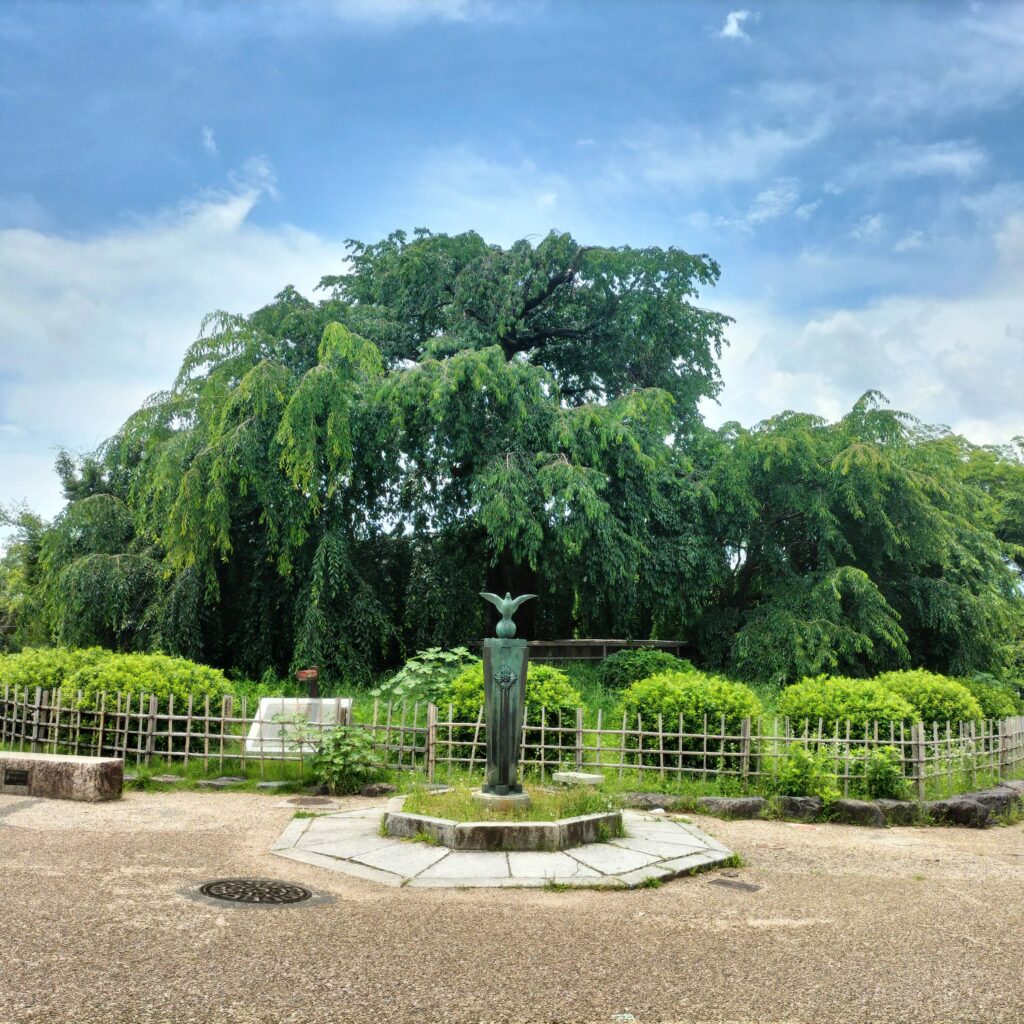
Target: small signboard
[(310, 675)]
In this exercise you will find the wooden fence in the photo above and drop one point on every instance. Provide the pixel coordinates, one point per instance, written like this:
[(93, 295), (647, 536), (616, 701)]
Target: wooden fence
[(426, 738)]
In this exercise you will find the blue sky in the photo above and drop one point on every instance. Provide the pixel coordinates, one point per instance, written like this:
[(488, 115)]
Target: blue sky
[(857, 169)]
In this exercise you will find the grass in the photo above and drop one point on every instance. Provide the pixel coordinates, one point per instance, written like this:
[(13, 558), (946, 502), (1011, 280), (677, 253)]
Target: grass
[(545, 805)]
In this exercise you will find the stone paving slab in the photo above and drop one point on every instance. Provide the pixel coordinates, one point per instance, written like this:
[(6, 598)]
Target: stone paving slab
[(655, 848)]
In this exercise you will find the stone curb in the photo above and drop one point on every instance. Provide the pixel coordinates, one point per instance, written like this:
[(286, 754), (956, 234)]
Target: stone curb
[(967, 810)]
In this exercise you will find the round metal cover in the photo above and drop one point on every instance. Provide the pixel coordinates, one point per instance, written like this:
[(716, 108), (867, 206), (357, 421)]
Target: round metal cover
[(255, 890), (310, 801)]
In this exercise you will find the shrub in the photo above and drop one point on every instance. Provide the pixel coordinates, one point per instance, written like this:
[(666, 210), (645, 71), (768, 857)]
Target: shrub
[(546, 688), (935, 698), (837, 699), (877, 773), (805, 772), (157, 675), (347, 760), (625, 667), (46, 667), (689, 696), (996, 698), (425, 676)]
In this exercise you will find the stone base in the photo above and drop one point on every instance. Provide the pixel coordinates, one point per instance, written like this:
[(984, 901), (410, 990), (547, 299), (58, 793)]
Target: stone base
[(501, 802), (61, 776), (654, 850), (577, 778), (563, 834)]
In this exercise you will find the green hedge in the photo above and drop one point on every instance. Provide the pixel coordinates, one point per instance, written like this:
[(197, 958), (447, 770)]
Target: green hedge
[(46, 667), (691, 696), (935, 698), (621, 669), (546, 688), (837, 699), (996, 698)]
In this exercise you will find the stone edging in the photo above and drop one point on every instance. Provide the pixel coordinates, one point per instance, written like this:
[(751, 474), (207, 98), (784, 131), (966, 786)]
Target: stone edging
[(970, 810), (562, 834)]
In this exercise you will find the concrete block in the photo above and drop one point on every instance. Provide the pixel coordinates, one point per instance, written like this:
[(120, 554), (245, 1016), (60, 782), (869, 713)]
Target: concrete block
[(588, 828), (408, 826), (512, 835), (577, 778), (61, 776)]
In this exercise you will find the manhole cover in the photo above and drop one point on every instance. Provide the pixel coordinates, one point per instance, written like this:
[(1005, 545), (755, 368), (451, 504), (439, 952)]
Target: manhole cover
[(730, 883), (310, 801), (255, 890)]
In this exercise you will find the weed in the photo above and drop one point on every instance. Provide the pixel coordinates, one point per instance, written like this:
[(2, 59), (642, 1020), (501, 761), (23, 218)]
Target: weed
[(425, 837)]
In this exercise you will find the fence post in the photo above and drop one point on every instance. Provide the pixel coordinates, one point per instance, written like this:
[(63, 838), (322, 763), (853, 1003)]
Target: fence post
[(917, 740), (36, 713), (431, 752), (579, 739), (151, 728), (745, 750), (1004, 749)]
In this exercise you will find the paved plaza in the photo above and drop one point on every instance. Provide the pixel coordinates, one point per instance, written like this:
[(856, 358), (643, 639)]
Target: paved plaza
[(655, 849), (840, 924)]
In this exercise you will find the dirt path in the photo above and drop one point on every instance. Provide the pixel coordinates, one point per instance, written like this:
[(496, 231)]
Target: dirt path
[(907, 925)]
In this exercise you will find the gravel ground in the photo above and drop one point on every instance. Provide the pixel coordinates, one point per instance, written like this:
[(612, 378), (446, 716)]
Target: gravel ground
[(907, 925)]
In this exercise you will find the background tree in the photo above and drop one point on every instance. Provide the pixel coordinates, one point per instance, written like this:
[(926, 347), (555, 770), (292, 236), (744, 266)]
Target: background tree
[(333, 482)]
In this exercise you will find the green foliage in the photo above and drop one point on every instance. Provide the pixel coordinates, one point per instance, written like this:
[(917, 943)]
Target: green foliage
[(347, 760), (934, 698), (877, 773), (49, 668), (806, 772), (425, 677), (333, 483), (688, 699), (691, 695), (625, 667), (545, 805), (997, 698), (835, 700), (551, 700), (859, 546), (546, 688), (156, 675)]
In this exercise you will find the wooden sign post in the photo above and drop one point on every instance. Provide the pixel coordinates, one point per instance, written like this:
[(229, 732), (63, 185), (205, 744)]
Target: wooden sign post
[(310, 675)]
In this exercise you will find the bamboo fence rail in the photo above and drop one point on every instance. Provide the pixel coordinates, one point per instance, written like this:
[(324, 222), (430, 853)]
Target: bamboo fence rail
[(427, 738)]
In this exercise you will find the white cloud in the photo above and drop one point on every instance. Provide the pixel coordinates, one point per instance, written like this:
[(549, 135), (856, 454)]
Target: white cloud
[(93, 325), (209, 141), (897, 161), (869, 228), (909, 242), (502, 199), (733, 27), (769, 204), (807, 210), (694, 159), (953, 359)]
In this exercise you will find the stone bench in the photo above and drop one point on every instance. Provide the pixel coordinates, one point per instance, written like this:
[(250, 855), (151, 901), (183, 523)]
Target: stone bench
[(61, 776)]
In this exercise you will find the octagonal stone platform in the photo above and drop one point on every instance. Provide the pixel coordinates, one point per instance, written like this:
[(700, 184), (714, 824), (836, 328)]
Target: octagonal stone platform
[(655, 847)]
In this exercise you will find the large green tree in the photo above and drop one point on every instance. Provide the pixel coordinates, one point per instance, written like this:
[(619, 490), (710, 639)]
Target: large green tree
[(334, 481), (858, 546)]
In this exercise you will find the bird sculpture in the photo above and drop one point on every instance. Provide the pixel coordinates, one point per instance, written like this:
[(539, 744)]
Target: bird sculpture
[(507, 605)]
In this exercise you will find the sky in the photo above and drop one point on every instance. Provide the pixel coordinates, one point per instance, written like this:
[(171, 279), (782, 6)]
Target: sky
[(856, 169)]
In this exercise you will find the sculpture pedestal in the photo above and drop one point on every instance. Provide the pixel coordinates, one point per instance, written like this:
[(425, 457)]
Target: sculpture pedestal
[(505, 662), (502, 801)]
